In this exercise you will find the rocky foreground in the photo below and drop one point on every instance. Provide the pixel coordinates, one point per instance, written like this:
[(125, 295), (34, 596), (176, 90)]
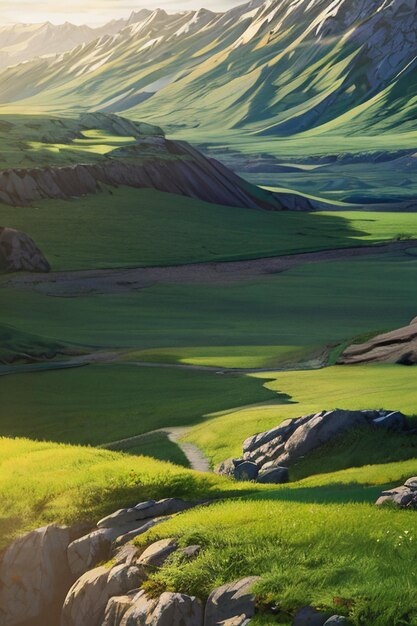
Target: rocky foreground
[(398, 346), (268, 455), (57, 575)]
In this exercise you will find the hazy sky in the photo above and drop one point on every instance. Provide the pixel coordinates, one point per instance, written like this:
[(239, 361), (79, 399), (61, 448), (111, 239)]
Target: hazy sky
[(94, 11)]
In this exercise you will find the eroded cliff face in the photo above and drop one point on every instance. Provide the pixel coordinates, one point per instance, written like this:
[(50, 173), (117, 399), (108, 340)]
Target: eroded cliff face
[(181, 170), (398, 346)]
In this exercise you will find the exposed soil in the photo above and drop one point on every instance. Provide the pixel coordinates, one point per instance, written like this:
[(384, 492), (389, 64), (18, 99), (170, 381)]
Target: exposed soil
[(83, 282)]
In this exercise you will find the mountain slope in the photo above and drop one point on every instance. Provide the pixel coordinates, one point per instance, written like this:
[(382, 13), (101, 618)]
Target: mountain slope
[(274, 68), (22, 42)]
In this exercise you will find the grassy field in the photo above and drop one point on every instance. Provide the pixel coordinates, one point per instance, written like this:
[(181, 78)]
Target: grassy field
[(104, 403), (307, 307), (128, 227), (301, 393)]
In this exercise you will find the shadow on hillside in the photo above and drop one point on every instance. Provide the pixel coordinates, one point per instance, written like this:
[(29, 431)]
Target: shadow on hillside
[(333, 493)]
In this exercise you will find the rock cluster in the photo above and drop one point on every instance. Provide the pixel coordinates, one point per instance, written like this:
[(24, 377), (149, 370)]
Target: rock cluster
[(404, 496), (37, 570), (18, 252), (398, 346), (267, 455)]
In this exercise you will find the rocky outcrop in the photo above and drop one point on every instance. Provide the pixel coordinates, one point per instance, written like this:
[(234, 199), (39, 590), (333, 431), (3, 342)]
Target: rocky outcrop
[(404, 496), (18, 252), (234, 601), (33, 574), (267, 455), (180, 169), (37, 570), (398, 346)]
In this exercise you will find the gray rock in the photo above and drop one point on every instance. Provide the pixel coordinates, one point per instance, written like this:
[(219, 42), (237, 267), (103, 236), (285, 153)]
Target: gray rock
[(308, 616), (336, 620), (116, 609), (145, 511), (395, 421), (231, 600), (246, 471), (275, 476), (18, 252), (226, 468), (190, 552), (320, 429), (33, 574), (411, 483), (87, 599), (176, 609), (156, 554), (404, 496)]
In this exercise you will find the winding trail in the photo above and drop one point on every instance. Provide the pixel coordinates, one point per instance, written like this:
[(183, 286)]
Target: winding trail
[(84, 282), (197, 460)]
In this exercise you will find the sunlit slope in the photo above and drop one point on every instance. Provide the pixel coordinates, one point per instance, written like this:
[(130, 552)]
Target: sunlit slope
[(275, 69)]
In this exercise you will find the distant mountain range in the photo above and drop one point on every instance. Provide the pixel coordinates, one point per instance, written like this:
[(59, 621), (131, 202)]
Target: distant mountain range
[(272, 68)]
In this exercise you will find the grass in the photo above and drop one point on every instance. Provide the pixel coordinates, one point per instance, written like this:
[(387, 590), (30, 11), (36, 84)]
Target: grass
[(156, 445), (44, 482), (20, 346), (145, 227), (310, 306), (224, 356), (105, 403), (305, 392), (305, 554)]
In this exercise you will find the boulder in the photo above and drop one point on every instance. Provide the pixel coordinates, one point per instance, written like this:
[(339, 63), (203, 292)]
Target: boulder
[(320, 429), (170, 609), (240, 620), (404, 496), (308, 616), (176, 609), (145, 511), (231, 600), (246, 471), (395, 421), (190, 552), (34, 573), (18, 252), (274, 476), (87, 599), (156, 554), (336, 620), (293, 439), (227, 467)]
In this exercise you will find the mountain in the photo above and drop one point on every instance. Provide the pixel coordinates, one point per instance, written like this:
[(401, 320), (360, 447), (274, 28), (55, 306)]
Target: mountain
[(274, 68), (22, 42)]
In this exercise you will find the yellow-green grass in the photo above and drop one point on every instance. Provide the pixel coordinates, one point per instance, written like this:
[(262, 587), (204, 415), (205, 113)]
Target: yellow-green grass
[(104, 403), (43, 482), (301, 393), (225, 356), (345, 558)]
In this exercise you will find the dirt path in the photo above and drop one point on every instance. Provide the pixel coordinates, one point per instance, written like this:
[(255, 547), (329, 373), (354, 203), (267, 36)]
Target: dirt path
[(83, 282), (197, 460)]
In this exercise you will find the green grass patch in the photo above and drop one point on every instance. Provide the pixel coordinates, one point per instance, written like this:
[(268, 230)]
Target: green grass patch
[(100, 404), (44, 482), (307, 554), (134, 227), (305, 392), (156, 445)]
